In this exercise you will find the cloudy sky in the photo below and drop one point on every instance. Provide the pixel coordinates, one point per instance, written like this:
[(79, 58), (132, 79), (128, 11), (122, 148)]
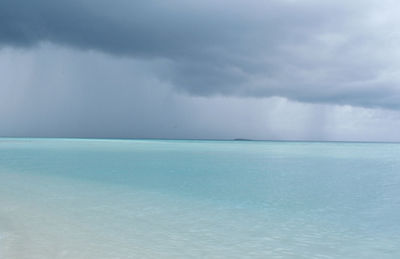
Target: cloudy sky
[(261, 69)]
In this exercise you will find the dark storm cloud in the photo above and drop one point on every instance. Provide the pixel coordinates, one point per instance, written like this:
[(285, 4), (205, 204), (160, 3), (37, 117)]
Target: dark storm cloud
[(312, 51)]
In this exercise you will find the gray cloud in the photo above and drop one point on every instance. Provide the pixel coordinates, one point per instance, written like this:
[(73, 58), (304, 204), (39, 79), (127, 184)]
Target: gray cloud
[(90, 94), (311, 51)]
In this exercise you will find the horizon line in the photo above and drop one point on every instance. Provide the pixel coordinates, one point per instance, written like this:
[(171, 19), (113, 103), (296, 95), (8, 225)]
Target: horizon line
[(204, 139)]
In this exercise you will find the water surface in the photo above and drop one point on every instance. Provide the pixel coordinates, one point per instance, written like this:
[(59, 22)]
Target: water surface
[(70, 198)]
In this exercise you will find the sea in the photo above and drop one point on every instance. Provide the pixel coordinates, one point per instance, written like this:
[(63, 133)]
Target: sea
[(100, 198)]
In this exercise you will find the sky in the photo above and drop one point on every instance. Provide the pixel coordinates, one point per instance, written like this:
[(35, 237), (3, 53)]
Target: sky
[(257, 69)]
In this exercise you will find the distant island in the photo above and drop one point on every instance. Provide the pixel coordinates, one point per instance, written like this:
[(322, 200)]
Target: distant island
[(242, 139)]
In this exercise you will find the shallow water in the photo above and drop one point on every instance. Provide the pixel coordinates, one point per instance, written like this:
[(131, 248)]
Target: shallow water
[(64, 198)]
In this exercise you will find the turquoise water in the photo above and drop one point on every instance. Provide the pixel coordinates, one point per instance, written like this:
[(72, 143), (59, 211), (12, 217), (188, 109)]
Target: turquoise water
[(64, 198)]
